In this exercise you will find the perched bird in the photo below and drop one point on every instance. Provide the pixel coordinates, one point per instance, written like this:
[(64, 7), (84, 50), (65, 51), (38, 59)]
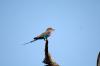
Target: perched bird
[(44, 35)]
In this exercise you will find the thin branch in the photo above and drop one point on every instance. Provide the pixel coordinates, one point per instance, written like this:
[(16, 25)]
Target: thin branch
[(48, 60)]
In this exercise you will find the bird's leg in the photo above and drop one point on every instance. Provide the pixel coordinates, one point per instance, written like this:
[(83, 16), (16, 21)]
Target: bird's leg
[(45, 38)]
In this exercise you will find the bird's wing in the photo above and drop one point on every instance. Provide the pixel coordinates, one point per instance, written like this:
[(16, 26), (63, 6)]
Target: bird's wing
[(41, 35)]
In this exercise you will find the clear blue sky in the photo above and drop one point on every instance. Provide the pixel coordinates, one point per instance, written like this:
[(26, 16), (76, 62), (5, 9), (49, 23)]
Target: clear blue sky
[(76, 41)]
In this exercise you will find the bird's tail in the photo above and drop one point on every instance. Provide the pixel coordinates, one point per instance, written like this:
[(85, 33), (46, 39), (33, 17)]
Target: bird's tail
[(29, 42)]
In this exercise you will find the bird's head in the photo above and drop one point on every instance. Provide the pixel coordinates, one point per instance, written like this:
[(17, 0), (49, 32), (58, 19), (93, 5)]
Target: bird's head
[(50, 29)]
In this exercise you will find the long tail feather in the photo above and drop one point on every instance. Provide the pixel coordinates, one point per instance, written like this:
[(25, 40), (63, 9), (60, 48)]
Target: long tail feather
[(29, 42)]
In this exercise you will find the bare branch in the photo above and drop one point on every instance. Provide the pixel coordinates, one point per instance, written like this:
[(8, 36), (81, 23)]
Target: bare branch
[(48, 60)]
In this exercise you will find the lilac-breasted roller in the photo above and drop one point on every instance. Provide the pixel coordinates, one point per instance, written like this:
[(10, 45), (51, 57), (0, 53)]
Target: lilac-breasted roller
[(44, 35)]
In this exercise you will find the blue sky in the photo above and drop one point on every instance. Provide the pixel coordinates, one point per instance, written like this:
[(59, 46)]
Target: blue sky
[(76, 41)]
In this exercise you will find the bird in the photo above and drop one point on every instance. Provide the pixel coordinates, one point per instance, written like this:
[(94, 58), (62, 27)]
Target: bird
[(43, 35)]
